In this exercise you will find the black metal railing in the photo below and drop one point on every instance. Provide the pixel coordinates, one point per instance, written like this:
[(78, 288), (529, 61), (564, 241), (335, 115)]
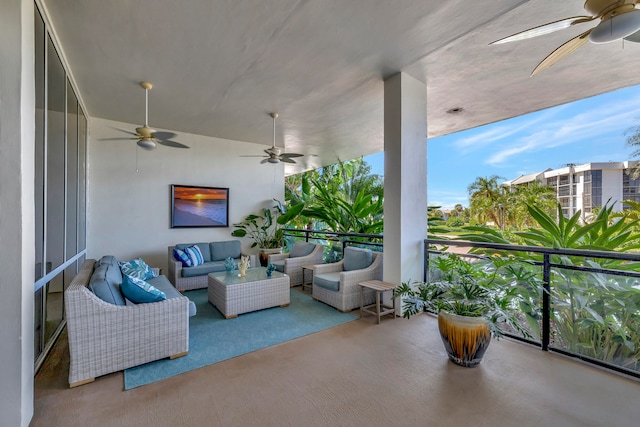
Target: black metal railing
[(589, 302), (335, 242)]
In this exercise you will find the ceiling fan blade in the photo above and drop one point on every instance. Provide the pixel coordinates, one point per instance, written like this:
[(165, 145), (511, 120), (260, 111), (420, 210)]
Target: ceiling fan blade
[(562, 52), (286, 160), (290, 155), (164, 135), (168, 143), (264, 161), (128, 132), (117, 139), (252, 155), (545, 29), (635, 37), (273, 151)]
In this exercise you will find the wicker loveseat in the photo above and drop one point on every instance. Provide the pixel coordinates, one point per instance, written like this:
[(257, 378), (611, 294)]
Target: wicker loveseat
[(214, 254), (106, 338), (338, 286)]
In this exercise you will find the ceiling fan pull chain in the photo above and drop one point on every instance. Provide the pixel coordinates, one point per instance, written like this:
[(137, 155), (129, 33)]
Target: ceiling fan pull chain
[(136, 158)]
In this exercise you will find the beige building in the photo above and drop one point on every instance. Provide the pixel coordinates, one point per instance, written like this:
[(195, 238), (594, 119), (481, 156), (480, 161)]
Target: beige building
[(587, 186)]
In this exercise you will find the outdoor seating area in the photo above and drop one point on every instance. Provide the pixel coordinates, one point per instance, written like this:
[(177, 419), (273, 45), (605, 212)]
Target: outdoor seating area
[(340, 213)]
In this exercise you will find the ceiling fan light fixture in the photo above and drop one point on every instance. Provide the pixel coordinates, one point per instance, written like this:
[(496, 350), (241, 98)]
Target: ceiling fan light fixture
[(147, 143), (273, 160), (617, 27)]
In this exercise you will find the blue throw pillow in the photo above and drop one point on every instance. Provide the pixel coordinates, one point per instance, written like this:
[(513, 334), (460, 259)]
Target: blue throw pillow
[(181, 256), (138, 291), (194, 255), (137, 268)]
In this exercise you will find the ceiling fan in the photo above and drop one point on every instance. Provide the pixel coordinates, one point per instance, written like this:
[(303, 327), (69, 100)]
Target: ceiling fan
[(146, 136), (619, 19), (275, 154)]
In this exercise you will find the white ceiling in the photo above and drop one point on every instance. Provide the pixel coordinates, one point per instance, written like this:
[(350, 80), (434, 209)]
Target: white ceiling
[(220, 66)]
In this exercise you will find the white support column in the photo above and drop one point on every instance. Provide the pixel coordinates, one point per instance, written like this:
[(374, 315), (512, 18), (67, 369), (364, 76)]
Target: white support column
[(17, 133), (405, 178)]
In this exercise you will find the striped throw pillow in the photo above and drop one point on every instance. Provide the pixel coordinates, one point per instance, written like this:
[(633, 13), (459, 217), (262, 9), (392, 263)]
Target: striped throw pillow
[(194, 255), (181, 256)]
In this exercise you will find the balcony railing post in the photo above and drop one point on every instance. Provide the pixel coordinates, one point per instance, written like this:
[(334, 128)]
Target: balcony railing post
[(425, 272), (546, 296)]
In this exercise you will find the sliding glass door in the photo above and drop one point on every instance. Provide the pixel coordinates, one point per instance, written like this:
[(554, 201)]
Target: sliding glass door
[(60, 189)]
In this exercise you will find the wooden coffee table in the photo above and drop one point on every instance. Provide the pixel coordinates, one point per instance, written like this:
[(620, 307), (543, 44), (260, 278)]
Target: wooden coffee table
[(233, 295)]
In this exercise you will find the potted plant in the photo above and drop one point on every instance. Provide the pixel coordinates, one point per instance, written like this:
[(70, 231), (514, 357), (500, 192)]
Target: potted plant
[(475, 301), (265, 228)]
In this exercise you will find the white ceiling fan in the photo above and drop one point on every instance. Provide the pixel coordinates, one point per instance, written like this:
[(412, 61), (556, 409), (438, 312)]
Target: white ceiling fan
[(147, 137), (275, 154), (619, 20)]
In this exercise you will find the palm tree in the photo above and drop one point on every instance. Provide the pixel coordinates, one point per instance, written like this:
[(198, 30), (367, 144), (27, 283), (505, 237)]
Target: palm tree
[(485, 196), (633, 140), (533, 194)]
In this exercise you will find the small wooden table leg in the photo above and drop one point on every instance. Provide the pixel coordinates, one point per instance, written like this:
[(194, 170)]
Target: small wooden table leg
[(361, 301), (378, 307)]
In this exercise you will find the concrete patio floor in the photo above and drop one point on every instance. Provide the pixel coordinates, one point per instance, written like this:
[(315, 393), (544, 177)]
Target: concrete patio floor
[(357, 374)]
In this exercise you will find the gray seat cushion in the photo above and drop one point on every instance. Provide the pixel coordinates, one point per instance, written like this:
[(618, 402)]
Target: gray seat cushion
[(223, 250), (105, 284), (356, 258), (204, 249), (279, 265), (302, 249), (203, 269), (330, 281), (163, 284)]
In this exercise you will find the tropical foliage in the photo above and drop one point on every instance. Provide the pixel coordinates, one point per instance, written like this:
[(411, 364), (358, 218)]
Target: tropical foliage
[(633, 140), (495, 288), (265, 228), (593, 313), (506, 207), (344, 197)]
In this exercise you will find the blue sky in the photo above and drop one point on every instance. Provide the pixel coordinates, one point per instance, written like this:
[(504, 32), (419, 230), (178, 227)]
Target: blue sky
[(589, 130)]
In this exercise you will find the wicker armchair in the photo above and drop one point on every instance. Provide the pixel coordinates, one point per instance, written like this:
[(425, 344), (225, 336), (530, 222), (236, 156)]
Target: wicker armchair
[(292, 266), (347, 297), (106, 338)]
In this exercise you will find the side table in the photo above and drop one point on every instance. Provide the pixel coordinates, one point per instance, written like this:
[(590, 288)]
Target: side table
[(308, 284), (380, 309)]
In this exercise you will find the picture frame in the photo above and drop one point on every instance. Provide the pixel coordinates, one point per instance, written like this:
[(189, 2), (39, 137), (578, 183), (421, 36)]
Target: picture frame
[(199, 206)]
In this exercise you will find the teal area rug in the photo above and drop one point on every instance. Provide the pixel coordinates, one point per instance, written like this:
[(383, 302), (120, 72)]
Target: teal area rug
[(212, 338)]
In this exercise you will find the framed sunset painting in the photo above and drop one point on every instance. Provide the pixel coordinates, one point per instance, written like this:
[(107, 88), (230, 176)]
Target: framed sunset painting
[(199, 206)]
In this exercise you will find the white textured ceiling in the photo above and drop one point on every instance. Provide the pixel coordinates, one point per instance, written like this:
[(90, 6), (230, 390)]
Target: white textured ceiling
[(220, 66)]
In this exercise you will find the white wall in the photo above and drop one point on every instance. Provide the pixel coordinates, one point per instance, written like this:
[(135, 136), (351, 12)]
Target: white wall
[(405, 178), (17, 133), (129, 212), (612, 188)]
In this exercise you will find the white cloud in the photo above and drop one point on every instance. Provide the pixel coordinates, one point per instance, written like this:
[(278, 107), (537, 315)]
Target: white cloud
[(601, 122), (498, 132), (447, 199)]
